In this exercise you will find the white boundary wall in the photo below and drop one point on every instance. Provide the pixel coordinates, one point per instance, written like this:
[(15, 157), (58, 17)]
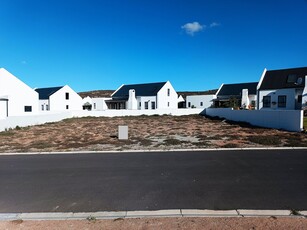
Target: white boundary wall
[(23, 121), (123, 112), (291, 120)]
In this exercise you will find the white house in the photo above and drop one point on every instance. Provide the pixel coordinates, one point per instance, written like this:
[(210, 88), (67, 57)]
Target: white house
[(199, 101), (87, 103), (16, 98), (95, 103), (283, 89), (239, 95), (58, 99), (160, 95)]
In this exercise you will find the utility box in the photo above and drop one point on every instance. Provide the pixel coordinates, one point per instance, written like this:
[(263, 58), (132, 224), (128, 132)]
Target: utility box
[(123, 132)]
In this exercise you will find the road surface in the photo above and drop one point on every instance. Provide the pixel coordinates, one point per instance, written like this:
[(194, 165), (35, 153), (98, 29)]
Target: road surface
[(248, 179)]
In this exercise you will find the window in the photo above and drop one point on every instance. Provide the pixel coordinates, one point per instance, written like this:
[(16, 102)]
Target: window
[(201, 103), (266, 101), (153, 105), (67, 106), (47, 107), (253, 103), (167, 104), (146, 104), (292, 78), (282, 101), (299, 99), (168, 92), (67, 96), (42, 107), (189, 104), (28, 108), (94, 105), (140, 104)]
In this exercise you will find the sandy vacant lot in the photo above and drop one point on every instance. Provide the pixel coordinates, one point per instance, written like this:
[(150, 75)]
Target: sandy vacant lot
[(165, 223), (145, 132)]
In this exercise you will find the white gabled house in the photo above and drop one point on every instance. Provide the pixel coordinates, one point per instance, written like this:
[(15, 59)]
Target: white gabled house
[(87, 103), (199, 101), (16, 98), (242, 95), (61, 98), (160, 95), (283, 89), (95, 103)]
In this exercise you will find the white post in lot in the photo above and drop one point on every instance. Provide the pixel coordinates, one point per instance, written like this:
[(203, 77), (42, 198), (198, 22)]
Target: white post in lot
[(123, 132)]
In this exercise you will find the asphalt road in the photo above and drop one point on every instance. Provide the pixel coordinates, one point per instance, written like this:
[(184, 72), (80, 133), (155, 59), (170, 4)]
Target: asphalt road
[(262, 179)]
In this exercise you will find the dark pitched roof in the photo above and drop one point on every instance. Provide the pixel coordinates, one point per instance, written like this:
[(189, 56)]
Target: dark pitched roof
[(284, 78), (150, 89), (236, 89), (45, 93)]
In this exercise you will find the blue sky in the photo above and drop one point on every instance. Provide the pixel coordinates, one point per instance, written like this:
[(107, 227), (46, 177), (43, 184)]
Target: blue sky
[(195, 44)]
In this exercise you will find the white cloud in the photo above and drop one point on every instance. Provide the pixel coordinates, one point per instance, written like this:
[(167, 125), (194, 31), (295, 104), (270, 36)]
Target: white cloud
[(214, 24), (192, 28)]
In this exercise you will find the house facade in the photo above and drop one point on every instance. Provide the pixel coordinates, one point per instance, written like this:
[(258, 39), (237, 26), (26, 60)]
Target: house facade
[(242, 95), (283, 89), (61, 98), (95, 103), (160, 95), (199, 101), (16, 98)]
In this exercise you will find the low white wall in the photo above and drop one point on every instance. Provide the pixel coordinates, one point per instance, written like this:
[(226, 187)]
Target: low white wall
[(291, 120), (123, 112), (44, 117), (23, 121)]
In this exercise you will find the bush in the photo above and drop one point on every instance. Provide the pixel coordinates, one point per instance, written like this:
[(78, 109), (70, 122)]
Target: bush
[(172, 142), (265, 140)]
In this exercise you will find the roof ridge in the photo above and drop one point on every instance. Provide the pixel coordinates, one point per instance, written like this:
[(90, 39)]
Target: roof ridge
[(287, 69), (148, 83), (253, 82), (50, 87)]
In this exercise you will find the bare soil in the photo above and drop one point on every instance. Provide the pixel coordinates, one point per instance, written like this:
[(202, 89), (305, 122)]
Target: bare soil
[(145, 133), (237, 223)]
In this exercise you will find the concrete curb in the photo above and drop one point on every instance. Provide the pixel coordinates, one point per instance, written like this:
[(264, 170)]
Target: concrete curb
[(158, 213), (251, 213), (148, 214), (161, 150), (209, 213)]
